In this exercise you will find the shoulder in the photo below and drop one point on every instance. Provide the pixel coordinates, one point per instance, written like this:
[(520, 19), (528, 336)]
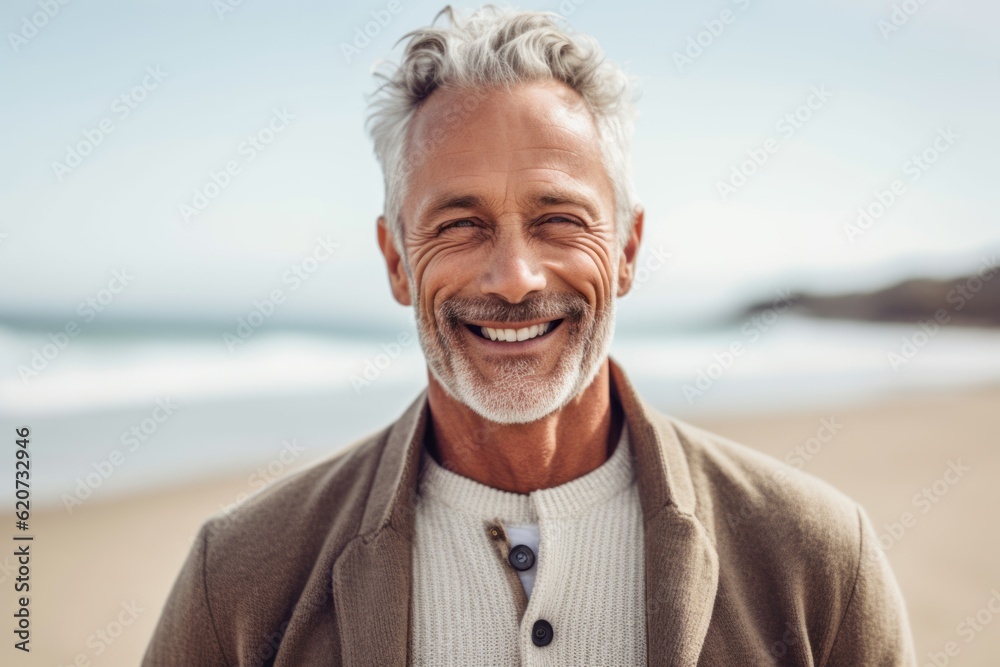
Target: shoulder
[(795, 556), (315, 509), (253, 566), (745, 498)]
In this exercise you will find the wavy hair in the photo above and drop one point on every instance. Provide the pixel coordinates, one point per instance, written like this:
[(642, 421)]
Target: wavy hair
[(498, 47)]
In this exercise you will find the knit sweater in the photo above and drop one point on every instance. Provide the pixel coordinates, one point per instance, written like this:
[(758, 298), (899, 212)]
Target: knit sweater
[(469, 602)]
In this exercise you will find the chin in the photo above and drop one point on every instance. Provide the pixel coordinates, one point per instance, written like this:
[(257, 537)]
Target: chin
[(515, 393)]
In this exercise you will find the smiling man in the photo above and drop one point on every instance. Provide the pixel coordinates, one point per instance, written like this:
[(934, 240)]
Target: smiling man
[(528, 507)]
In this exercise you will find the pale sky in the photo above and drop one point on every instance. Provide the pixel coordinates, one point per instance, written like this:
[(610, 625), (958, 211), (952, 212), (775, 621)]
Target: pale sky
[(222, 76)]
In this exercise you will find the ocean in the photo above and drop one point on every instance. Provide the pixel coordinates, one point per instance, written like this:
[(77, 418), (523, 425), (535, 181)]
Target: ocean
[(118, 412)]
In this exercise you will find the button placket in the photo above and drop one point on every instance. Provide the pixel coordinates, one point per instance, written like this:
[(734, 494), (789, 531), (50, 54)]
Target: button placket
[(521, 558), (498, 539), (541, 632)]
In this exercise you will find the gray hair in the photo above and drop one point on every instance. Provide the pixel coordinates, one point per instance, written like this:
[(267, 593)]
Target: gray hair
[(489, 48)]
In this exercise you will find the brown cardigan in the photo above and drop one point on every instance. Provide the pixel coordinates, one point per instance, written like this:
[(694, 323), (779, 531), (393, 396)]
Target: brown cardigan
[(747, 561)]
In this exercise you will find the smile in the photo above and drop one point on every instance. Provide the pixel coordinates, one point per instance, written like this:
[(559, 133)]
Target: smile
[(514, 335)]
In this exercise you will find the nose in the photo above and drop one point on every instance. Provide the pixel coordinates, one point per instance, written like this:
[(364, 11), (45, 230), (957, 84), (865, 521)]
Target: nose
[(512, 270)]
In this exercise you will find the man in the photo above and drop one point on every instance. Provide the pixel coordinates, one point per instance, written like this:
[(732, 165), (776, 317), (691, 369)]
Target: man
[(528, 507)]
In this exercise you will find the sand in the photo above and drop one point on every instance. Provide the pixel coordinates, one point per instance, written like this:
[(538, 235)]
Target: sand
[(105, 570), (894, 459)]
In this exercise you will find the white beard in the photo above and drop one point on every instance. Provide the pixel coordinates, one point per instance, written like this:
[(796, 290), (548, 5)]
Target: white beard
[(517, 392)]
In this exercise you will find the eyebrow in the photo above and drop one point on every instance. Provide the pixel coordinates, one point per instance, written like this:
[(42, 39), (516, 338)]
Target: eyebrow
[(452, 202), (563, 198), (548, 199)]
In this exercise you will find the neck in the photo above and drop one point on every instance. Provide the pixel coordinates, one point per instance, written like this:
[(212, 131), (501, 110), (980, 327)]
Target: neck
[(522, 458)]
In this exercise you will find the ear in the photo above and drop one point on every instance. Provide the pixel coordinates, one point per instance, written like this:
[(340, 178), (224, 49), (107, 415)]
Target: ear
[(399, 282), (629, 253)]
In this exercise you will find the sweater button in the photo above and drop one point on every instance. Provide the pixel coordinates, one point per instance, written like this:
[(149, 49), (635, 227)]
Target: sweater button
[(521, 558), (541, 632)]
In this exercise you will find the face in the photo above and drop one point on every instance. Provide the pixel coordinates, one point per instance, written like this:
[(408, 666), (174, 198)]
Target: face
[(511, 260)]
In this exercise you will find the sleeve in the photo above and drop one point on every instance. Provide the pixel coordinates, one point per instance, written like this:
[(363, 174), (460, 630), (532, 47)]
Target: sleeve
[(185, 634), (875, 629)]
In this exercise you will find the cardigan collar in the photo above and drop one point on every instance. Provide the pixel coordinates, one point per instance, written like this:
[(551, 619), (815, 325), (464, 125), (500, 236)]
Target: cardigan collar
[(661, 466), (571, 499), (372, 577)]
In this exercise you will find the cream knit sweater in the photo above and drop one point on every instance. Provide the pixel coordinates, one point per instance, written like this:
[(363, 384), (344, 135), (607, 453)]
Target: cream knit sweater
[(588, 574)]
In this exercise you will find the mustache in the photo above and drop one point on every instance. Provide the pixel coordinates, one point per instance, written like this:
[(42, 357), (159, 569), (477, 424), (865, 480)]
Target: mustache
[(456, 311)]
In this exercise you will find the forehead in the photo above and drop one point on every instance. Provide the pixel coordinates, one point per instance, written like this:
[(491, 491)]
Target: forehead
[(530, 135)]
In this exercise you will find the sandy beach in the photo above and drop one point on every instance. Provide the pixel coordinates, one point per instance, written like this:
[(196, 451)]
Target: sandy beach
[(101, 574), (894, 458)]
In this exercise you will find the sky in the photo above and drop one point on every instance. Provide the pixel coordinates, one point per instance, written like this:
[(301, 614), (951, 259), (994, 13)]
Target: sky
[(224, 147)]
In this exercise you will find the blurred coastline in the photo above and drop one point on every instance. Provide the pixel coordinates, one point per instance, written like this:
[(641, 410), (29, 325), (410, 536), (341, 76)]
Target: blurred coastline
[(140, 434), (181, 402)]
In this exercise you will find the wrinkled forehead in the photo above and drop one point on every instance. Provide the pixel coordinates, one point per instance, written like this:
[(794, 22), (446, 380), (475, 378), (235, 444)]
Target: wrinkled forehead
[(530, 132)]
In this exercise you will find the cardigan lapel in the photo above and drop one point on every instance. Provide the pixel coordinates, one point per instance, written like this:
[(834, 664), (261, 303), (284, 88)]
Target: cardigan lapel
[(372, 577), (681, 564), (371, 593)]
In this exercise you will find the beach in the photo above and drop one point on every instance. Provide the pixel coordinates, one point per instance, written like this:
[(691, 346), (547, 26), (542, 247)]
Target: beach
[(905, 461), (100, 574)]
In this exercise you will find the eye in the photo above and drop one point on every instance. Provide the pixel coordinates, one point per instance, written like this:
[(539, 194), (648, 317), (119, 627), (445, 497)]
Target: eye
[(464, 222), (562, 218)]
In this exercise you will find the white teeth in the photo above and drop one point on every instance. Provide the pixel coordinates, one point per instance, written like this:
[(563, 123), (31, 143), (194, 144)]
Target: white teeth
[(516, 335)]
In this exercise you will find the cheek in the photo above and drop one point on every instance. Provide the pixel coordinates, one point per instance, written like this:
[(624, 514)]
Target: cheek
[(439, 272), (589, 270), (428, 260), (584, 264)]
